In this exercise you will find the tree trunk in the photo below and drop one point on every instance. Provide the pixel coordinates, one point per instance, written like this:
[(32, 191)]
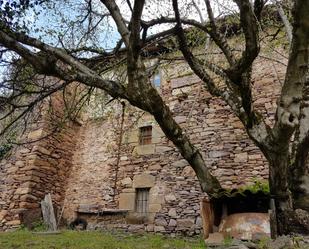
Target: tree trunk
[(290, 219), (278, 183), (287, 187), (299, 184)]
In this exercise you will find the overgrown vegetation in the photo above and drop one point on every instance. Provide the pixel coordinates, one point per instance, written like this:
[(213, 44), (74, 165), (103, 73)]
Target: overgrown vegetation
[(4, 149), (94, 240), (256, 187)]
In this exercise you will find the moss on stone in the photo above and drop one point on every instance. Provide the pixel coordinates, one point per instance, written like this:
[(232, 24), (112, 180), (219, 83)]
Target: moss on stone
[(258, 188)]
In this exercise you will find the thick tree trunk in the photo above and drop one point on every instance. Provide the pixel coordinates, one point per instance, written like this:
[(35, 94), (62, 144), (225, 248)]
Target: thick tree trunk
[(278, 183), (290, 218), (287, 186), (299, 184)]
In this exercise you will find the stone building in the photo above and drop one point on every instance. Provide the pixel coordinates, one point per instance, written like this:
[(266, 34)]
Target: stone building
[(141, 183)]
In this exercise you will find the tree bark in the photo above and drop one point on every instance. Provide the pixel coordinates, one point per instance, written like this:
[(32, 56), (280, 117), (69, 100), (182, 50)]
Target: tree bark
[(286, 172)]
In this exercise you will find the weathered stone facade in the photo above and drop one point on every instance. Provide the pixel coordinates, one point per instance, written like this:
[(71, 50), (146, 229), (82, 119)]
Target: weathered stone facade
[(79, 165), (35, 169)]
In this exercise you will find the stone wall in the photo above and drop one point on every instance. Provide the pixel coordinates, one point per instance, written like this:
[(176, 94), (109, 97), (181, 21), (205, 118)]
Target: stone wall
[(79, 166), (175, 194), (37, 168)]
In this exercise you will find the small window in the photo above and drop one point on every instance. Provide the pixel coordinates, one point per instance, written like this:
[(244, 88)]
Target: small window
[(145, 135), (157, 79), (142, 200)]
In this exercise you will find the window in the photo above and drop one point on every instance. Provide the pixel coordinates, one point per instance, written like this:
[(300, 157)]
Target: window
[(145, 135), (156, 79), (142, 200)]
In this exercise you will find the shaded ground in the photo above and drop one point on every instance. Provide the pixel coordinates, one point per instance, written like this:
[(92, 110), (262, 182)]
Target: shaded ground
[(94, 240)]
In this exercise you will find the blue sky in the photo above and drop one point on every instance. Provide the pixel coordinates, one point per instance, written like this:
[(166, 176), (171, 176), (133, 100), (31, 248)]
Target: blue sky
[(56, 18)]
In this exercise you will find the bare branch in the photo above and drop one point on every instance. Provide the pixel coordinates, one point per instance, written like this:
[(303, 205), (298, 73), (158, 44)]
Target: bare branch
[(194, 64), (217, 36), (287, 24), (251, 31), (119, 20)]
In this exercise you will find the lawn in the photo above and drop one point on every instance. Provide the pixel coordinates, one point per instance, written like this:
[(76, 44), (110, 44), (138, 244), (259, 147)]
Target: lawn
[(94, 240)]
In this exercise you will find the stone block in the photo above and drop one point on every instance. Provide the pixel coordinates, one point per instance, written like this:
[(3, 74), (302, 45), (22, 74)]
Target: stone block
[(172, 213), (126, 182), (199, 222), (143, 181), (156, 198), (154, 208), (185, 223), (146, 120), (35, 134), (127, 201), (133, 136), (41, 150), (170, 198), (147, 149), (172, 223), (128, 190), (180, 119), (159, 229), (188, 171), (19, 164), (180, 163), (157, 134), (215, 154), (180, 91), (255, 157), (21, 191), (184, 81), (155, 167), (136, 228), (161, 222), (241, 157), (150, 228), (151, 217), (163, 149)]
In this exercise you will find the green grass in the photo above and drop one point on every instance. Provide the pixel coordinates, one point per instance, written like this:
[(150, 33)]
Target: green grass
[(94, 240)]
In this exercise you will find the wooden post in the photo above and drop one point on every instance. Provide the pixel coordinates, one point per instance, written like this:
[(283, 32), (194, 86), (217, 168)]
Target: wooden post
[(48, 213), (207, 217)]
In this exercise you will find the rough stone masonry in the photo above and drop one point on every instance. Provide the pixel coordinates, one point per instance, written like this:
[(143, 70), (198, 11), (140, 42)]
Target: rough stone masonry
[(77, 165)]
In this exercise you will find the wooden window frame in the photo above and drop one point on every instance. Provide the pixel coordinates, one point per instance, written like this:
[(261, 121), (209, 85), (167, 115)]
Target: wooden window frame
[(145, 135)]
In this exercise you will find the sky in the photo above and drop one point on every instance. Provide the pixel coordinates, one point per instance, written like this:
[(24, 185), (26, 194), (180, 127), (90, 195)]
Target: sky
[(52, 25), (55, 21)]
